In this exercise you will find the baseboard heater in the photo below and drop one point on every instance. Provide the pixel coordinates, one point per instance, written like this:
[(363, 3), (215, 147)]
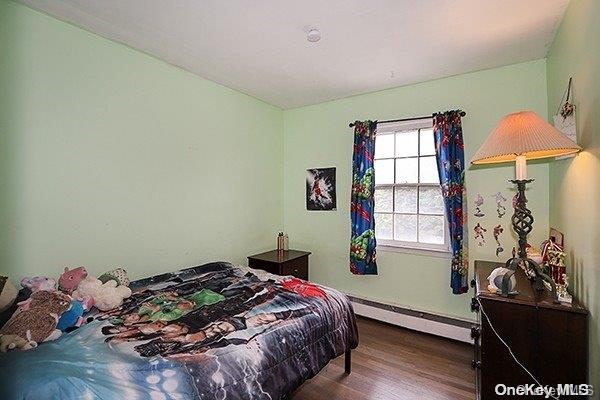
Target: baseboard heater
[(439, 325)]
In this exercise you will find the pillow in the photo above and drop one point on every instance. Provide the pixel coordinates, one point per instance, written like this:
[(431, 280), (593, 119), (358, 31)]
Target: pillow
[(8, 295)]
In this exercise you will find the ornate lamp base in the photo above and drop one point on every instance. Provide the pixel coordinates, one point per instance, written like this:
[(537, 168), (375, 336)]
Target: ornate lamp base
[(522, 221)]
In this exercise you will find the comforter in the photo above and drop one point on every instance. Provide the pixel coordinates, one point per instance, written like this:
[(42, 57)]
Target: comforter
[(210, 332)]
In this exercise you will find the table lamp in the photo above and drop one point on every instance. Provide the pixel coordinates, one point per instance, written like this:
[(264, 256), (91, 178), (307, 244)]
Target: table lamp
[(519, 137)]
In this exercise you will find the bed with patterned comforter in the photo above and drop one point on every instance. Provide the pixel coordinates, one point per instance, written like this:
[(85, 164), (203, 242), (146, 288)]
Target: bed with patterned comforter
[(210, 332)]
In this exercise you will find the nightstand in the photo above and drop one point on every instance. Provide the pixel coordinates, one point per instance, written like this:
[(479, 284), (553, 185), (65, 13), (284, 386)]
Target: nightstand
[(286, 262)]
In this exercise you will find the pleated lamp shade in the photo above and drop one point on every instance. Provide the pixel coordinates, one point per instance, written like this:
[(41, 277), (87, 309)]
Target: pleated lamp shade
[(526, 134)]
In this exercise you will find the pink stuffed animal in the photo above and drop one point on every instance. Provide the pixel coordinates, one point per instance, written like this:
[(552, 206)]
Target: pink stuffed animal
[(38, 283), (70, 279)]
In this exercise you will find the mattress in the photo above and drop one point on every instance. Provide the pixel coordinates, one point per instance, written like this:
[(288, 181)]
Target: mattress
[(209, 332)]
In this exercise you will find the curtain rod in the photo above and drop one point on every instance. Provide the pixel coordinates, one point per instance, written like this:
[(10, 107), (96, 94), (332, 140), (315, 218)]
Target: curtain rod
[(461, 112)]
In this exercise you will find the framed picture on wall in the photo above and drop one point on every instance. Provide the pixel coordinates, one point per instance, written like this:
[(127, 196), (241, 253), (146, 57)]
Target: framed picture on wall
[(320, 189)]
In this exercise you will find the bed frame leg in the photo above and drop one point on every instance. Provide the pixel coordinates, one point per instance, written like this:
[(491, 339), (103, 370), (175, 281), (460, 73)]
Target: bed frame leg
[(348, 362)]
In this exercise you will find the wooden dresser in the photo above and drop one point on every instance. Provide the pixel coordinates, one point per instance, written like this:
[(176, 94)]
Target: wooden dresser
[(551, 340), (285, 262)]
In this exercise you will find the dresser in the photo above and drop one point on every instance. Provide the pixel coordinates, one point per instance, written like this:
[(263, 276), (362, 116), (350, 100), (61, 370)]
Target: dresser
[(551, 340), (284, 262)]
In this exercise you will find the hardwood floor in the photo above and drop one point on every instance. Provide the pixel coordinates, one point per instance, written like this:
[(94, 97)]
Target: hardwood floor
[(393, 363)]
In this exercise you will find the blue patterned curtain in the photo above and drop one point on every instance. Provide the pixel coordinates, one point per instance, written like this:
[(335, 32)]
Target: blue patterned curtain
[(449, 146), (362, 244)]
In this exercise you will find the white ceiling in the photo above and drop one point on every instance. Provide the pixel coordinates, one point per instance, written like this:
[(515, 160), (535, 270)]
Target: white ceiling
[(259, 47)]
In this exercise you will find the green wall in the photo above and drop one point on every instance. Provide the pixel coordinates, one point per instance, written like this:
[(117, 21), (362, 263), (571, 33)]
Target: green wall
[(318, 136), (110, 157), (575, 183)]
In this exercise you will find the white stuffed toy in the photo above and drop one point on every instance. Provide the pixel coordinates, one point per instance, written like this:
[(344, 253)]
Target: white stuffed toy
[(106, 296)]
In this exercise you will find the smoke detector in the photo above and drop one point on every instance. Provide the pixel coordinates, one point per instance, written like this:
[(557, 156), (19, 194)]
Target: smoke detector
[(313, 35)]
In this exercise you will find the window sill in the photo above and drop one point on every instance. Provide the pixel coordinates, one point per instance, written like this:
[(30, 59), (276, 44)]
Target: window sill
[(415, 251)]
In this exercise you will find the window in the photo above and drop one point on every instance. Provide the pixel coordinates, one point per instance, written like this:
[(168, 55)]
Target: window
[(409, 208)]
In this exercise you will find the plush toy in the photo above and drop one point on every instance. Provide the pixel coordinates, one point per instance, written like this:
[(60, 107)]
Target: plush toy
[(10, 342), (38, 321), (106, 295), (118, 274), (70, 279), (8, 294), (73, 317), (38, 283)]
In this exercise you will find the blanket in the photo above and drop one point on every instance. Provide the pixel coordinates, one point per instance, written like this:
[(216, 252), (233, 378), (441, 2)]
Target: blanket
[(209, 332)]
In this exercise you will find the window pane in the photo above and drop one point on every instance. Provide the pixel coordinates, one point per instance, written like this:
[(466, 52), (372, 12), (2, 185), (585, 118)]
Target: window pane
[(405, 227), (384, 146), (428, 170), (431, 229), (406, 200), (407, 144), (430, 200), (383, 226), (427, 146), (406, 170), (384, 171), (384, 199)]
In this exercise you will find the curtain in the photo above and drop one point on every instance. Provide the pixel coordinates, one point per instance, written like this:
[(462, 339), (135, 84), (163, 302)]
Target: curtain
[(362, 243), (449, 146)]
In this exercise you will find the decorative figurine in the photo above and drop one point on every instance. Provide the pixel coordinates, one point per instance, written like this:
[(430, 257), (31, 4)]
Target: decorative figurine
[(500, 207), (478, 204), (556, 263), (498, 229), (563, 294), (479, 231)]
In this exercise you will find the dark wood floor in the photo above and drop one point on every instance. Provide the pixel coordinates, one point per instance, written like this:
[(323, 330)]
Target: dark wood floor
[(393, 363)]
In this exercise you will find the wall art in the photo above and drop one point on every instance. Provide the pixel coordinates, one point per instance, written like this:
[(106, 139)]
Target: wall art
[(320, 189)]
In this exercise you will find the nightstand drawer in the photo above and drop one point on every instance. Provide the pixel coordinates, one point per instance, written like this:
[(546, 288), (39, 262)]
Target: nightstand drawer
[(297, 268)]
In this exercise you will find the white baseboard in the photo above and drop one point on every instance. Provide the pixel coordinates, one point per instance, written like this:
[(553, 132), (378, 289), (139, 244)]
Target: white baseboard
[(460, 333)]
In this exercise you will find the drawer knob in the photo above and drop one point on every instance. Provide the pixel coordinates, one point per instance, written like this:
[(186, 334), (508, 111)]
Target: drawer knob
[(474, 332), (475, 364), (474, 305)]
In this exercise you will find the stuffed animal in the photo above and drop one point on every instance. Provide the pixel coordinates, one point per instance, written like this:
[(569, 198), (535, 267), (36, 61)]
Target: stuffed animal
[(8, 294), (38, 283), (70, 279), (10, 342), (73, 317), (106, 295), (38, 321), (118, 274)]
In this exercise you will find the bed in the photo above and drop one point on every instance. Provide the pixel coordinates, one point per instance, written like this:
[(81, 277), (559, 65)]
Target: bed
[(209, 332)]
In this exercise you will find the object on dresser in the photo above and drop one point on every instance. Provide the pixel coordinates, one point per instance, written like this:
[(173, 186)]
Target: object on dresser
[(283, 242), (556, 265), (550, 340), (284, 262), (495, 281)]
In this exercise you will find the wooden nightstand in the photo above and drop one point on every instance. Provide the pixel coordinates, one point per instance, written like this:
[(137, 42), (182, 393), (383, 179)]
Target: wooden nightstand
[(288, 262)]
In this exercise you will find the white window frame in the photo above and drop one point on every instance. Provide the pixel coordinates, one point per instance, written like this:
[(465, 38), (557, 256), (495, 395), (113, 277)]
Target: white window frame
[(432, 249)]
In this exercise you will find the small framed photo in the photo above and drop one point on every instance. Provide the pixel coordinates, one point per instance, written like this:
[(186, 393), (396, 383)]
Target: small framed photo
[(320, 189)]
